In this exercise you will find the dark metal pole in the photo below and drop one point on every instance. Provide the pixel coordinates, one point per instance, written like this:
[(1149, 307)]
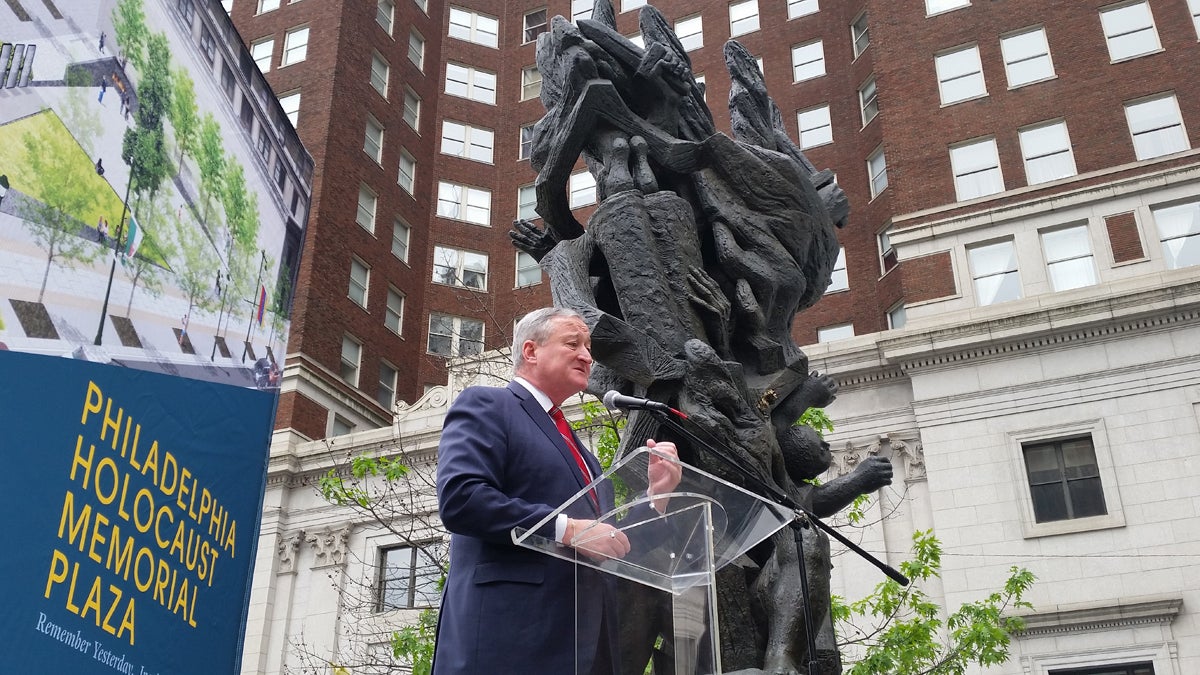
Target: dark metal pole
[(262, 261), (113, 268), (221, 314)]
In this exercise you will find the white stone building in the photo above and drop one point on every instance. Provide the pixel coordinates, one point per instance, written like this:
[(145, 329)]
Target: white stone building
[(1058, 431)]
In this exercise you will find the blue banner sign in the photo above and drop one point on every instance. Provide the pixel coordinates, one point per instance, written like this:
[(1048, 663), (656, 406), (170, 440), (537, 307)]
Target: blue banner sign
[(134, 501)]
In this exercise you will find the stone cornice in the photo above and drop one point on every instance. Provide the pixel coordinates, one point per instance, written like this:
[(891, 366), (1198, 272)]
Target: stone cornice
[(1126, 613), (305, 376), (1044, 327)]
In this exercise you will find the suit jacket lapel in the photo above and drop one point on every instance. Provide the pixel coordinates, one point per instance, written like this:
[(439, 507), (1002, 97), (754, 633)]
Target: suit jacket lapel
[(542, 419)]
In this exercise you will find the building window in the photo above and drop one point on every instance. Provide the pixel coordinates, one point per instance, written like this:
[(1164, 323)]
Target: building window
[(703, 84), (464, 140), (1131, 669), (526, 147), (582, 189), (529, 272), (373, 140), (637, 39), (456, 267), (460, 202), (454, 335), (474, 27), (280, 173), (838, 332), (887, 253), (473, 83), (379, 74), (208, 45), (360, 277), (581, 9), (367, 201), (340, 426), (897, 317), (867, 101), (1156, 126), (1179, 231), (386, 395), (412, 108), (994, 271), (291, 106), (535, 24), (960, 75), (1069, 258), (385, 12), (860, 34), (416, 49), (1064, 479), (351, 358), (264, 145), (393, 316), (815, 127), (743, 17), (690, 32), (295, 46), (629, 5), (400, 234), (267, 6), (799, 8), (423, 5), (1026, 57), (1194, 8), (938, 6), (808, 61), (839, 281), (409, 576), (1046, 149), (976, 168), (261, 52), (531, 83), (1129, 30), (527, 202), (227, 81), (877, 172), (406, 172)]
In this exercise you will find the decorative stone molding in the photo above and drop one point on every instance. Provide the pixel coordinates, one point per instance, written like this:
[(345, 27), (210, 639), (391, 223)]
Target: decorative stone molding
[(847, 459), (436, 398), (890, 445), (287, 550), (329, 546), (1148, 611)]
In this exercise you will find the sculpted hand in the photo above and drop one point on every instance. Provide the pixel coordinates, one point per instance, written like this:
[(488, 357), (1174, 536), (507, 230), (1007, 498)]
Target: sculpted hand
[(531, 239), (598, 541)]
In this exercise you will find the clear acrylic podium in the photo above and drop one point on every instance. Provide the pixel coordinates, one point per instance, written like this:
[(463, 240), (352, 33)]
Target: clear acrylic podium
[(706, 524)]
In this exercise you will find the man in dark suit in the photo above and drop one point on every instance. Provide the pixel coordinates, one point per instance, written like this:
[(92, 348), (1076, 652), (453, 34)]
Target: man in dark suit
[(503, 463)]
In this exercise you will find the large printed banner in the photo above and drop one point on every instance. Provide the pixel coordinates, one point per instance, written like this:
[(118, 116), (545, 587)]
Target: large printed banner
[(132, 501), (153, 191)]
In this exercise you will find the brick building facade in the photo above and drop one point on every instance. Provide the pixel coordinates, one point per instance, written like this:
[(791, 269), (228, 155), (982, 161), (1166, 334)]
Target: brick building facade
[(885, 93)]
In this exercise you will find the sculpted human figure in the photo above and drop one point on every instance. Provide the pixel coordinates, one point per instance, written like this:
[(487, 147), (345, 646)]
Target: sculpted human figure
[(688, 276)]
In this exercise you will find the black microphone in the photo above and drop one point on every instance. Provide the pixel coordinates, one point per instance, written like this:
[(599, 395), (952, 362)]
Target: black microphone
[(614, 399)]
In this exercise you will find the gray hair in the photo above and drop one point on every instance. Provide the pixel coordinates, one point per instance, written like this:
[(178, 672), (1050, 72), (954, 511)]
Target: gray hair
[(537, 326)]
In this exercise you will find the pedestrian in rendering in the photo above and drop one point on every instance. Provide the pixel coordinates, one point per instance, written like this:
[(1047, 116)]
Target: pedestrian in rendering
[(102, 36), (103, 88), (100, 167)]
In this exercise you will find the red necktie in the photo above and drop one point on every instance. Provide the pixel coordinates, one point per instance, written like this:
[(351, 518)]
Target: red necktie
[(564, 428)]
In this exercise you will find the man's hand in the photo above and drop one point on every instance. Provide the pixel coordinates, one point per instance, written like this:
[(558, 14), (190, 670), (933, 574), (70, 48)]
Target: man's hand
[(663, 474), (598, 541)]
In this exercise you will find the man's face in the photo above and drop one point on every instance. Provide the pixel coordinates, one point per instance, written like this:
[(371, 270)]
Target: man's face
[(561, 365)]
